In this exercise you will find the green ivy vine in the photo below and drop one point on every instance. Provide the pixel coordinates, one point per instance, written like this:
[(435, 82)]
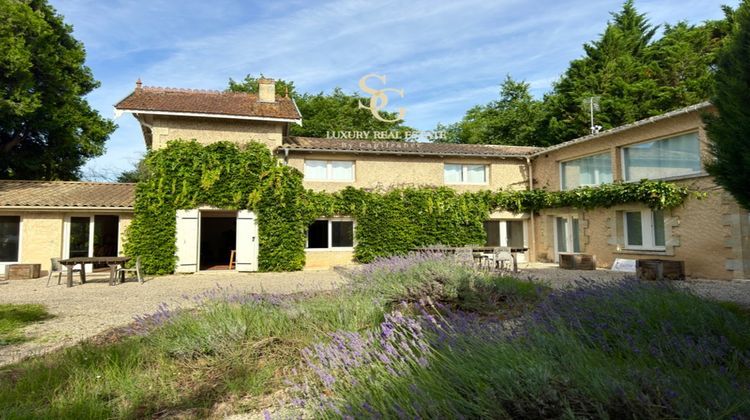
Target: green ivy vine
[(187, 175)]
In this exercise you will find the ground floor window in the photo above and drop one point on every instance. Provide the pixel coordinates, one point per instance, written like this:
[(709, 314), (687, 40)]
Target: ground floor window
[(505, 233), (644, 229), (326, 234), (10, 232), (92, 236)]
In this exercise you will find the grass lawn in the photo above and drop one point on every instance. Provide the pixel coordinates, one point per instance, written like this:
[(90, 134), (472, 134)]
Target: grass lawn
[(14, 317), (409, 337)]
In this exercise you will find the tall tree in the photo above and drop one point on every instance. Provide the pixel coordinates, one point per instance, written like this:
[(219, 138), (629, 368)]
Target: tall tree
[(324, 113), (729, 131), (513, 119), (631, 75), (47, 129), (615, 70)]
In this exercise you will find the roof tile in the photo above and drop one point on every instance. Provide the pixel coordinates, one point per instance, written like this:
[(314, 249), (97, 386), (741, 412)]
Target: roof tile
[(235, 104), (412, 148), (66, 194)]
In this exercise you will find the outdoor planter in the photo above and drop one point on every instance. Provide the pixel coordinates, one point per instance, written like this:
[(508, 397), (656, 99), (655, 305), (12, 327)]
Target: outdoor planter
[(651, 269), (22, 271), (577, 261)]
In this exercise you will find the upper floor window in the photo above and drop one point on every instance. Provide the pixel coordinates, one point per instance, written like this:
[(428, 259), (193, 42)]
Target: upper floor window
[(590, 170), (456, 173), (10, 230), (644, 229), (671, 157), (329, 170)]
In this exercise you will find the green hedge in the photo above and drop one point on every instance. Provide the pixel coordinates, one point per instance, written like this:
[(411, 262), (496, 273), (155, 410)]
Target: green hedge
[(187, 175)]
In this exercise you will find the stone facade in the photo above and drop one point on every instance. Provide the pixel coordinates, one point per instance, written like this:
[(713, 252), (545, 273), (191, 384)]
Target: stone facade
[(163, 128), (710, 235), (42, 233), (387, 170)]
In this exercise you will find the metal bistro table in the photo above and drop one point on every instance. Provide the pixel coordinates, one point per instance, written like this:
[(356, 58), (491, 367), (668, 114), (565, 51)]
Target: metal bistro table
[(475, 249), (112, 262)]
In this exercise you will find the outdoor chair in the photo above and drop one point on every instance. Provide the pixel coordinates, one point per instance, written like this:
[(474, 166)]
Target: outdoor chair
[(136, 269), (57, 268), (500, 255), (464, 255)]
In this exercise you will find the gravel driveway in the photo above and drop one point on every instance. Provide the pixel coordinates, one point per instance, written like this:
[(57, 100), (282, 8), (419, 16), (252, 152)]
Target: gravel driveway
[(86, 310)]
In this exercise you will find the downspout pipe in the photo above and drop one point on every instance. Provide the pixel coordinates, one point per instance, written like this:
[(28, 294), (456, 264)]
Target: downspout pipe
[(532, 225)]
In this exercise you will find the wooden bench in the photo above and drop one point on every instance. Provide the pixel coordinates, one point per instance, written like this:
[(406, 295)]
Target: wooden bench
[(23, 271)]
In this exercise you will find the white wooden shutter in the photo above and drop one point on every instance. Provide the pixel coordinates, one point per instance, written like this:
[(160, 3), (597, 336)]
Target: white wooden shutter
[(188, 229), (247, 241)]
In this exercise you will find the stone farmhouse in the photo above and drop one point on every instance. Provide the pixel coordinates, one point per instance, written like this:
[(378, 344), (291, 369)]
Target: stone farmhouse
[(40, 220)]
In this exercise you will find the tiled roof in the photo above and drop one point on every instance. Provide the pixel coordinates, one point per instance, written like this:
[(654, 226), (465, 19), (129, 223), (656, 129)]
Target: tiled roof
[(686, 110), (66, 194), (311, 144), (210, 102)]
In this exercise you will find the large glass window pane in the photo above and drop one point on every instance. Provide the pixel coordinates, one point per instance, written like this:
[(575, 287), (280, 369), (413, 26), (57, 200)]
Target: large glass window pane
[(659, 238), (475, 174), (452, 173), (317, 234), (342, 170), (79, 237), (316, 169), (10, 229), (514, 230), (492, 229), (562, 234), (342, 234), (676, 156), (591, 170), (576, 236), (634, 228)]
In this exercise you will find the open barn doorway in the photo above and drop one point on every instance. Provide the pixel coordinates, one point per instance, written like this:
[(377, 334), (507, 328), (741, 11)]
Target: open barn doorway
[(218, 239)]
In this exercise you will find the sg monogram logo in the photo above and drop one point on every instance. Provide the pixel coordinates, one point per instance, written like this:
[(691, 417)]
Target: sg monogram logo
[(379, 98)]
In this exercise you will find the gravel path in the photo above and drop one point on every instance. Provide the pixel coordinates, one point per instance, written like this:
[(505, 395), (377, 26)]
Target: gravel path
[(737, 291), (86, 310)]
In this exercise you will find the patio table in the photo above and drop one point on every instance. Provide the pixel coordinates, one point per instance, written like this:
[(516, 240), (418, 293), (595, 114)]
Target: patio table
[(112, 262), (474, 249)]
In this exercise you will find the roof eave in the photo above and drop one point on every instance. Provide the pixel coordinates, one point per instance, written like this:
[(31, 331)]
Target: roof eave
[(68, 208), (388, 152), (626, 127), (120, 111)]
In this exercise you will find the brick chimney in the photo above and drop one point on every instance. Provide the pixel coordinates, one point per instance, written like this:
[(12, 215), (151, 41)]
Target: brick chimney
[(266, 90), (138, 84)]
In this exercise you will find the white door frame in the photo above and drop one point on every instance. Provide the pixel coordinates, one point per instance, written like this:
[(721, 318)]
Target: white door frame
[(92, 222), (569, 243)]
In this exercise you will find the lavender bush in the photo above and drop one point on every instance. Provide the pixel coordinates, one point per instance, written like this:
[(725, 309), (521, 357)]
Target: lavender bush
[(628, 349)]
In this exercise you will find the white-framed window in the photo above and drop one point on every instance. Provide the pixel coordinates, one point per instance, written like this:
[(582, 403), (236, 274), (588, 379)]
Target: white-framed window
[(586, 171), (567, 235), (330, 234), (644, 230), (666, 158), (10, 239), (458, 173), (329, 170)]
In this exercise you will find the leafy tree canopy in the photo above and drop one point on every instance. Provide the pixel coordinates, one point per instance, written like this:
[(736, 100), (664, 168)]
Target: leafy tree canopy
[(511, 120), (47, 129), (324, 113), (729, 131), (631, 74)]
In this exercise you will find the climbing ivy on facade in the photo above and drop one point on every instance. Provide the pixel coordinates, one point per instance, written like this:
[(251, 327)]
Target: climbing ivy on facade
[(187, 175)]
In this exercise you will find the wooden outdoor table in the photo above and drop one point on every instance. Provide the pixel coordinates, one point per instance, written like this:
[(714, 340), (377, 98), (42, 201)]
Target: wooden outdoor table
[(484, 249), (112, 262)]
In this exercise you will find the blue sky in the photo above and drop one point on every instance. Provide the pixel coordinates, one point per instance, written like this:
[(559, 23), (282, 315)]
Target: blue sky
[(447, 56)]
